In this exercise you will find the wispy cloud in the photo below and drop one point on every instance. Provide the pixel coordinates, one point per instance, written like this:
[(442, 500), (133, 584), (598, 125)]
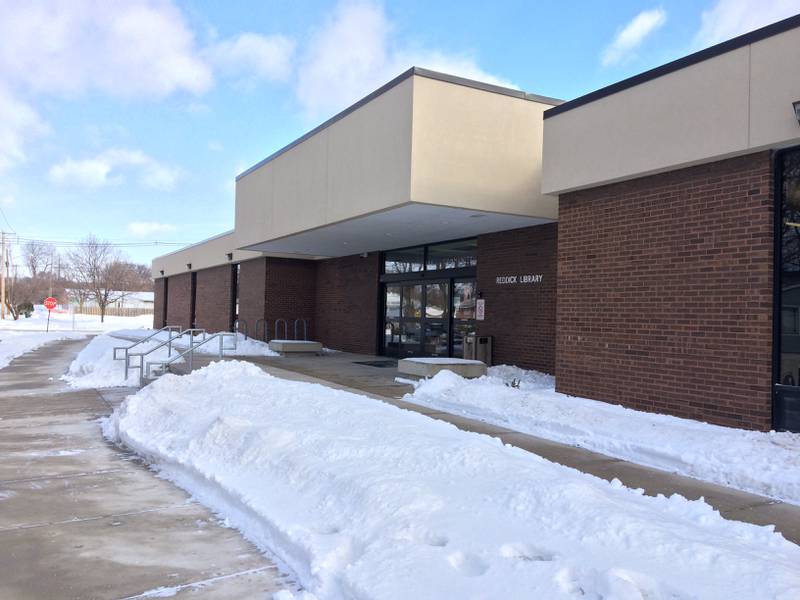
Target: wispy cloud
[(356, 51), (254, 56), (628, 39), (133, 48), (19, 122), (729, 18), (149, 228), (111, 167)]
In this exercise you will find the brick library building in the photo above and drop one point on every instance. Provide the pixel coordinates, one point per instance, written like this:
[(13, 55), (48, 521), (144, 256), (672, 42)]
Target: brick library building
[(641, 243)]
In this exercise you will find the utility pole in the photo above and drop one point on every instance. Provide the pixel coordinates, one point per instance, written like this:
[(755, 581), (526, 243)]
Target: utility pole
[(3, 276)]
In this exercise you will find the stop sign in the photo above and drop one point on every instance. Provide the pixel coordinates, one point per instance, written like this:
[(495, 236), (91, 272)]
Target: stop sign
[(50, 303)]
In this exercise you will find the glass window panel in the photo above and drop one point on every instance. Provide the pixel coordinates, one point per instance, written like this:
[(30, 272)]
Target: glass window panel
[(453, 255), (435, 338), (437, 301), (790, 270), (410, 337), (391, 335), (460, 330), (412, 301), (464, 300), (393, 301), (404, 261)]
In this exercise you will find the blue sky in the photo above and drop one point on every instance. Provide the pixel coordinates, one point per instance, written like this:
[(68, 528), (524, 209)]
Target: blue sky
[(130, 120)]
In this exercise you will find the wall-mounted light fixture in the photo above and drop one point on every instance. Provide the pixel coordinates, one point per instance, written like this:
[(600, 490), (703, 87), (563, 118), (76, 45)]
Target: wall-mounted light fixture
[(189, 266), (796, 106), (230, 256), (162, 272)]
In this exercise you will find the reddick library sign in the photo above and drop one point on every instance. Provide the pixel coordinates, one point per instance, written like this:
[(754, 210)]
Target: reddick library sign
[(517, 279)]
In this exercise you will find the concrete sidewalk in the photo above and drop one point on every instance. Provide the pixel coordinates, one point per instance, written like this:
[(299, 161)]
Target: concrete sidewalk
[(80, 518)]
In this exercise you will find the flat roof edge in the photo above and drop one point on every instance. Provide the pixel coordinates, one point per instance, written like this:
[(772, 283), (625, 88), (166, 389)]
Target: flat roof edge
[(189, 246), (697, 57), (478, 85)]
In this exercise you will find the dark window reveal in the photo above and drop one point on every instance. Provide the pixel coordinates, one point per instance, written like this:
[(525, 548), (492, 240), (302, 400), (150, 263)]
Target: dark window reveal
[(453, 255)]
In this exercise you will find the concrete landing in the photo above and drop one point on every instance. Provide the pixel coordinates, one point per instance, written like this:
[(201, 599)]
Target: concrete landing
[(81, 519), (428, 367)]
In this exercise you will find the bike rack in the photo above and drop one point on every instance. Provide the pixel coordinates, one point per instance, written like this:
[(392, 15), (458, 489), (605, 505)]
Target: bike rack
[(237, 324), (285, 329), (305, 328), (147, 371), (169, 328), (141, 355), (266, 330)]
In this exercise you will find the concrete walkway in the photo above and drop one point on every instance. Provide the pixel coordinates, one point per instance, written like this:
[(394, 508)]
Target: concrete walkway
[(333, 371), (80, 518)]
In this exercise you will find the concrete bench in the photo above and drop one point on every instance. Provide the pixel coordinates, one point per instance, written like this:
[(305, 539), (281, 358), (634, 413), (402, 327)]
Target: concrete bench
[(295, 346), (428, 367)]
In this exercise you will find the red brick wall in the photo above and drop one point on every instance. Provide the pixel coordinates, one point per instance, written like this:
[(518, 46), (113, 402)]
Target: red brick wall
[(290, 294), (252, 297), (179, 300), (159, 316), (213, 298), (665, 292), (347, 303), (522, 316)]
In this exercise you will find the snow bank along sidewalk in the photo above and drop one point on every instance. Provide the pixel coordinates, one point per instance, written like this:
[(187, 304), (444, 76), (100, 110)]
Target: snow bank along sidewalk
[(61, 320), (762, 463), (244, 347), (15, 343), (359, 498), (95, 367)]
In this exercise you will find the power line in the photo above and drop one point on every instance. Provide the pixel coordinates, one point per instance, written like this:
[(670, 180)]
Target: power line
[(5, 218), (21, 239)]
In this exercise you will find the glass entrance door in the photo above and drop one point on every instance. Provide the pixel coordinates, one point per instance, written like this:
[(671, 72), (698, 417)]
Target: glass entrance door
[(428, 318)]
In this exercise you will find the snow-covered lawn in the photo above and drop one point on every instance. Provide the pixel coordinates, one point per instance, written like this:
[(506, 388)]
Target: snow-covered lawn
[(17, 343), (95, 367), (763, 463), (360, 499), (63, 321), (244, 347)]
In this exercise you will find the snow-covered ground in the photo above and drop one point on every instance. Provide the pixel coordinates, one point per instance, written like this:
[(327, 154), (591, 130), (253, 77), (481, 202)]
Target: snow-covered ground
[(358, 498), (95, 367), (61, 320), (17, 343), (763, 463), (244, 347)]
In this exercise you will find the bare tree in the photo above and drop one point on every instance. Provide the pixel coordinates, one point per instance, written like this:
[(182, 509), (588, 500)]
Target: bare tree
[(100, 272), (38, 257)]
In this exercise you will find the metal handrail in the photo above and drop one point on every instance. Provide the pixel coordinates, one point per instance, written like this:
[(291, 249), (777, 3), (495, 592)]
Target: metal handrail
[(169, 341), (237, 325), (190, 351), (266, 329), (169, 328)]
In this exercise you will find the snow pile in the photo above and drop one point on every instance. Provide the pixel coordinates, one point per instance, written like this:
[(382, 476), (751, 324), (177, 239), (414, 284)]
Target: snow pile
[(358, 498), (95, 367), (62, 320), (244, 347), (14, 343), (526, 401)]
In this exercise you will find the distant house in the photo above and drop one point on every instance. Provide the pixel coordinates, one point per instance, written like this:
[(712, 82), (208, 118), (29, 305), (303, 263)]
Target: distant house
[(135, 300)]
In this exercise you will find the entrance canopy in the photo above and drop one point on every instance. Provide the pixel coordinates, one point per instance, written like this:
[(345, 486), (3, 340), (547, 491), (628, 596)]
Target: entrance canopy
[(407, 225)]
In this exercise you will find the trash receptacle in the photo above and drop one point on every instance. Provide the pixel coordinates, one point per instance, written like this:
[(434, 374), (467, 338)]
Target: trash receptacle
[(483, 349)]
